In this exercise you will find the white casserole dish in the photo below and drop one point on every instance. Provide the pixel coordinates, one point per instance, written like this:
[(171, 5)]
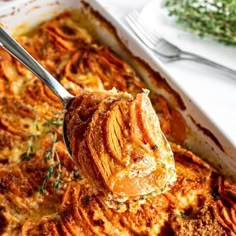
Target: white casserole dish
[(204, 138)]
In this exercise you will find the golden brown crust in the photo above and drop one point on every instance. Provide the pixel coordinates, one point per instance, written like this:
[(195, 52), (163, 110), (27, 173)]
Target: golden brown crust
[(195, 206), (200, 203), (117, 142)]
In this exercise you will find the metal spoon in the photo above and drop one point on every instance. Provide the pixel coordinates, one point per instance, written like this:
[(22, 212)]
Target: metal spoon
[(10, 45), (17, 51)]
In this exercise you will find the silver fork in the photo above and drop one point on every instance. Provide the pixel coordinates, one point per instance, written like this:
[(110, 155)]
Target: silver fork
[(166, 49)]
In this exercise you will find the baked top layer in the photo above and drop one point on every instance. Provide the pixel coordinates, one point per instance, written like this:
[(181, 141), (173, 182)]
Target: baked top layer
[(41, 190)]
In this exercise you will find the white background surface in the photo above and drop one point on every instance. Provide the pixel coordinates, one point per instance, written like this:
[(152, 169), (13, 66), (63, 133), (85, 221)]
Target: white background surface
[(212, 90)]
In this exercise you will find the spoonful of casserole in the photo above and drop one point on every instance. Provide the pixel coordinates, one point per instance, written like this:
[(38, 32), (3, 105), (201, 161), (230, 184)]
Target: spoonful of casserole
[(117, 142), (114, 138)]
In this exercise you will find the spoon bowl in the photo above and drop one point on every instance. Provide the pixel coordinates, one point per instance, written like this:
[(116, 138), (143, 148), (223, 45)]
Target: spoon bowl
[(18, 52)]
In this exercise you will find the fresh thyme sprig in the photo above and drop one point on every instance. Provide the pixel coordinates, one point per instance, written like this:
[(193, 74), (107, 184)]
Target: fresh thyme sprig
[(51, 156), (208, 18), (54, 166), (52, 159)]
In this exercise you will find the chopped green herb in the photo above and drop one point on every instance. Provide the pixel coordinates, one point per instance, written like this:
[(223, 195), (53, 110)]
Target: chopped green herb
[(56, 183), (26, 157), (42, 189), (55, 122)]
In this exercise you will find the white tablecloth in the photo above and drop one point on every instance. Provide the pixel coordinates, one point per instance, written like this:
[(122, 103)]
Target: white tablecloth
[(212, 90)]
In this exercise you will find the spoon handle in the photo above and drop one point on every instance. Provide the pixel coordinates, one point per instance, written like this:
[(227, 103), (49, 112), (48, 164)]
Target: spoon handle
[(14, 48)]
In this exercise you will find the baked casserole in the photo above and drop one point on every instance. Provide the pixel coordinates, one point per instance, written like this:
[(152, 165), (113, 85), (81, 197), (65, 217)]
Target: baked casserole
[(41, 190)]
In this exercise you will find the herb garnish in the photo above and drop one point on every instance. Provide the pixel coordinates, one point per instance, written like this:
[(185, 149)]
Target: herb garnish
[(207, 18), (41, 127), (51, 154), (54, 167)]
